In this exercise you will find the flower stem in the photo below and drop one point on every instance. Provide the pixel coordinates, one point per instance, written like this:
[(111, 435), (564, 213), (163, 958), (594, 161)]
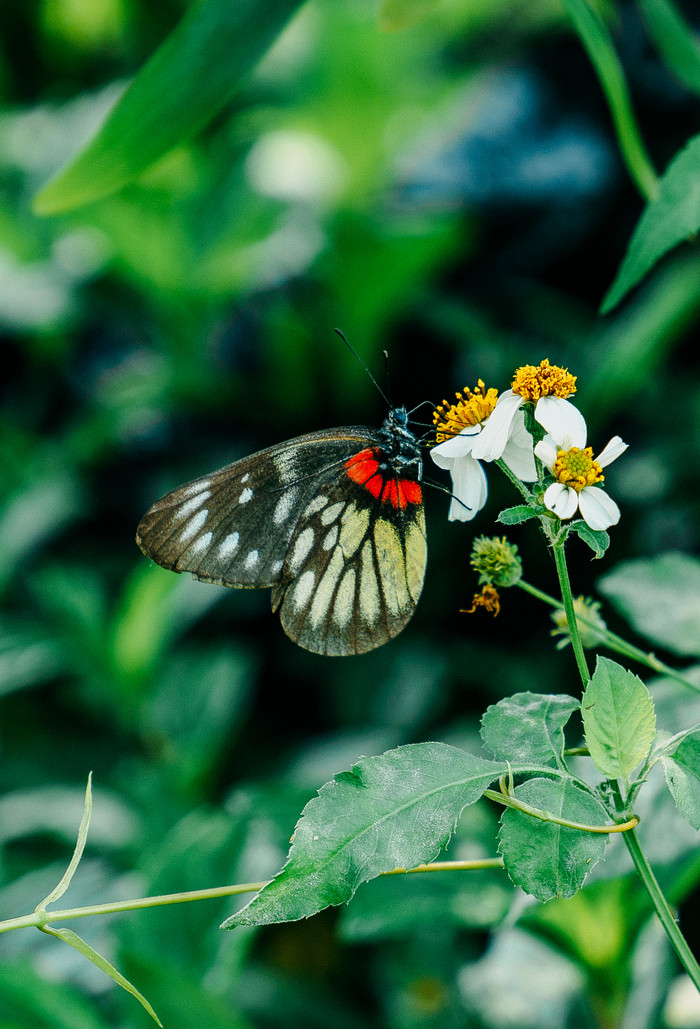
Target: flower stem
[(615, 642), (662, 908), (568, 603), (546, 816)]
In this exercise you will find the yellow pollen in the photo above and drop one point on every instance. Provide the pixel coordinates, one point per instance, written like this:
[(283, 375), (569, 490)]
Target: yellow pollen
[(488, 599), (543, 380), (472, 408), (576, 468)]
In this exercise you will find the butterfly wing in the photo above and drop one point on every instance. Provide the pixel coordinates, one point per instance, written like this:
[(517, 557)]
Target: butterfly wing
[(346, 562), (354, 571)]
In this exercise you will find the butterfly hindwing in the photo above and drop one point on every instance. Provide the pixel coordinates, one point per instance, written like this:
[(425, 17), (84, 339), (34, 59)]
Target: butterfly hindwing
[(333, 521)]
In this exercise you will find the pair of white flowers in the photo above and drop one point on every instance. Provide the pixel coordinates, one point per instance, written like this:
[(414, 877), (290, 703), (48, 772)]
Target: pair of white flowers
[(480, 428)]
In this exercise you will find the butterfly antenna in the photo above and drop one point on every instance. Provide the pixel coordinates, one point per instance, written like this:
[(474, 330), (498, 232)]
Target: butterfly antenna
[(362, 363), (386, 376)]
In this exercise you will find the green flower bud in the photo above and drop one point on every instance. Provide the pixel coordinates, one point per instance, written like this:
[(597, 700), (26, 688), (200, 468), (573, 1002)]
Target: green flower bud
[(592, 631), (496, 560)]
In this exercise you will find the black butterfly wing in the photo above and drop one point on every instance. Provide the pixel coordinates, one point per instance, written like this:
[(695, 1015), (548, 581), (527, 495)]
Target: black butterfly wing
[(233, 527), (354, 569)]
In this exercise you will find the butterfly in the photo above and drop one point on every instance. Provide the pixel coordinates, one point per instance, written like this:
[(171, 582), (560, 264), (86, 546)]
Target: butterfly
[(332, 521)]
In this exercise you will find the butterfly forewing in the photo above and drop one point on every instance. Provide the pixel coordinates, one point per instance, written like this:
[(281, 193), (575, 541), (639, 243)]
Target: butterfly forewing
[(331, 521)]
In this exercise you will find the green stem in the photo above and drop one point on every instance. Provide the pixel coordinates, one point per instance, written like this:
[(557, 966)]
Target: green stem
[(615, 642), (40, 918), (568, 603), (661, 906), (596, 40), (520, 486), (546, 816)]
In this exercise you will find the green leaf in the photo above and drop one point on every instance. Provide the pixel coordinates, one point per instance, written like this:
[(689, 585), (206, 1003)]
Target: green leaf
[(75, 941), (683, 777), (660, 597), (65, 882), (528, 727), (618, 719), (395, 810), (675, 40), (516, 515), (546, 859), (188, 80), (672, 217), (597, 539)]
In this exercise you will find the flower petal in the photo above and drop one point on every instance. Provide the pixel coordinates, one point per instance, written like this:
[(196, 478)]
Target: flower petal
[(611, 452), (469, 489), (518, 453), (562, 500), (598, 509), (562, 420), (497, 430), (457, 446), (547, 452)]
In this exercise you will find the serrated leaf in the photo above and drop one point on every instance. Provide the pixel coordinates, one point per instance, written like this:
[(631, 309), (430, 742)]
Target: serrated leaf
[(672, 217), (395, 810), (618, 719), (517, 514), (79, 944), (528, 727), (188, 80), (597, 539), (682, 771), (660, 597), (546, 859)]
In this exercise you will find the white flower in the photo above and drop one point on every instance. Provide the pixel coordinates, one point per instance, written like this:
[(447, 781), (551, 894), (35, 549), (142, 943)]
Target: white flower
[(462, 424), (547, 387), (571, 463)]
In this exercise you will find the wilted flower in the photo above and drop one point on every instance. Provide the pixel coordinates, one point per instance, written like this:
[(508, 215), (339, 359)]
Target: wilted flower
[(591, 625)]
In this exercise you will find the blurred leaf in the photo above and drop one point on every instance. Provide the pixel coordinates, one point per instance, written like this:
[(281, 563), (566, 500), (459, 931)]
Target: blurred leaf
[(660, 597), (30, 1001), (618, 719), (57, 809), (528, 727), (73, 940), (27, 659), (33, 515), (395, 810), (672, 217), (682, 770), (676, 40), (545, 859), (399, 14), (188, 80)]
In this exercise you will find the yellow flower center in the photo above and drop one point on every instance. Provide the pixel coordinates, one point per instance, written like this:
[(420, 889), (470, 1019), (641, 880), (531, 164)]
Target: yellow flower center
[(543, 380), (472, 408), (576, 468)]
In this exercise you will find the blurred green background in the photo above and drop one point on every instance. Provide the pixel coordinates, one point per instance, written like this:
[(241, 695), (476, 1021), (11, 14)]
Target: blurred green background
[(450, 192)]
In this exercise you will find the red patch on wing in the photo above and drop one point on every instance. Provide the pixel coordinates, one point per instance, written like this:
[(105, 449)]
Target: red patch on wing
[(363, 469)]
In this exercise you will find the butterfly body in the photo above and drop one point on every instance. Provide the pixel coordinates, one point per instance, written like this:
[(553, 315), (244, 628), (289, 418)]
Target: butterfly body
[(332, 521)]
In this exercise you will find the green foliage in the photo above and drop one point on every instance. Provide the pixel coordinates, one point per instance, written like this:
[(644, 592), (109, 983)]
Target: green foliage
[(682, 768), (397, 810), (669, 219), (675, 40), (618, 719), (516, 515), (597, 539), (528, 727), (546, 859), (658, 596), (189, 79)]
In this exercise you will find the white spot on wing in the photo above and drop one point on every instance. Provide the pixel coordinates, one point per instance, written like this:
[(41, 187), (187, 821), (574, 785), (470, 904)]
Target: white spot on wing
[(303, 588), (317, 504), (332, 512), (369, 593), (330, 539), (229, 545), (245, 478), (302, 545), (286, 466), (193, 527), (276, 567), (186, 509), (252, 559), (246, 495), (196, 487), (284, 506), (201, 544), (323, 598), (344, 599)]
